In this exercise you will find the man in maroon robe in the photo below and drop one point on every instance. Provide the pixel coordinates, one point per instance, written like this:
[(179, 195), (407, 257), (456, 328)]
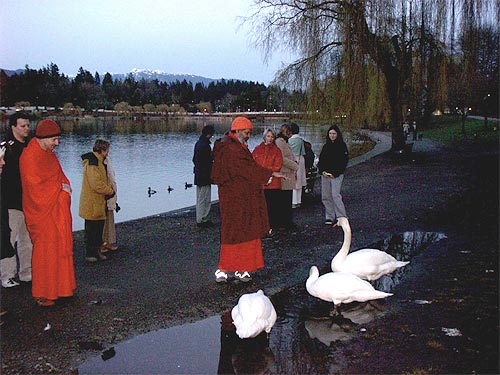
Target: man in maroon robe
[(241, 201)]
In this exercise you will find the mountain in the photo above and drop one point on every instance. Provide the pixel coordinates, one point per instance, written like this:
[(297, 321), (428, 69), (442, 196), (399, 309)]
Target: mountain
[(12, 72), (147, 74)]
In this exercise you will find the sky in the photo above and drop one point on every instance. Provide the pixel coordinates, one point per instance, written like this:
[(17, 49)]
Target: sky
[(200, 37)]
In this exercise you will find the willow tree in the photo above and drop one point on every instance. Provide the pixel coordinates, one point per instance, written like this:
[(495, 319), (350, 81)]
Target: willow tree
[(338, 41)]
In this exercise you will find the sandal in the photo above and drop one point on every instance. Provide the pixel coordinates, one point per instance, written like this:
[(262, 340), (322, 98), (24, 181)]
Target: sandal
[(44, 302)]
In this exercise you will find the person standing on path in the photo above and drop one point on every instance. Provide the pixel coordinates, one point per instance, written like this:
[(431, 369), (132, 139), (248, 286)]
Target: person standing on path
[(109, 231), (242, 203), (47, 209), (203, 160), (268, 155), (289, 169), (96, 190), (17, 140), (332, 164), (299, 151), (7, 252)]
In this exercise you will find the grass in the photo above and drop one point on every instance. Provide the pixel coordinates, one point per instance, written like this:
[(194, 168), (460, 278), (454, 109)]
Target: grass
[(448, 129)]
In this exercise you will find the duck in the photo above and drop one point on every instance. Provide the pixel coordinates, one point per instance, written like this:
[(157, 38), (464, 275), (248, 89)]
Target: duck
[(151, 191), (187, 186), (341, 287), (368, 264), (253, 315), (169, 189)]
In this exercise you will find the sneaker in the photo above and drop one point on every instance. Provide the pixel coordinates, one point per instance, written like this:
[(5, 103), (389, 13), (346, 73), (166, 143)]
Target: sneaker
[(328, 222), (25, 279), (9, 283), (243, 276), (102, 256), (220, 276)]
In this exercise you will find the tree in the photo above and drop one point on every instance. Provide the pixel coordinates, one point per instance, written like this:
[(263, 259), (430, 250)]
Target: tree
[(338, 40)]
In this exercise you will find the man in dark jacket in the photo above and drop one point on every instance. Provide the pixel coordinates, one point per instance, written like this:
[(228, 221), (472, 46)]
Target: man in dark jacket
[(17, 140), (203, 160)]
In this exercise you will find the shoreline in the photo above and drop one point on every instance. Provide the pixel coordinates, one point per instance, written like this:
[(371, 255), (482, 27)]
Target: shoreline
[(162, 276)]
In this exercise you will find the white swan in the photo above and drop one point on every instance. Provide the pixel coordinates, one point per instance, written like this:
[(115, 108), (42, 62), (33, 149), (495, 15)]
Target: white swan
[(341, 287), (253, 314), (368, 264)]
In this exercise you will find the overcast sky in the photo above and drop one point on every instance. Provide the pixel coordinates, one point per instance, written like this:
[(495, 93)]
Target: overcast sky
[(200, 37)]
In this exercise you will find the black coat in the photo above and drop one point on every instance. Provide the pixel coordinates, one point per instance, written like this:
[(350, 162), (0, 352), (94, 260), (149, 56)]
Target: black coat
[(333, 158), (203, 161)]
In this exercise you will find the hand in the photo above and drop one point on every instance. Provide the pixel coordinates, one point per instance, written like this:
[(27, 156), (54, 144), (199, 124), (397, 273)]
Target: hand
[(279, 175), (326, 174), (67, 188)]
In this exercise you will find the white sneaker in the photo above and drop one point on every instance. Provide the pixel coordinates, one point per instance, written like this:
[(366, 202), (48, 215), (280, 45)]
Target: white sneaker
[(220, 276), (242, 276), (9, 283)]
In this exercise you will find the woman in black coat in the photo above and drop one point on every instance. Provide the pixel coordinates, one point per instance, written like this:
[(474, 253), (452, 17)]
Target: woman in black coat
[(332, 164)]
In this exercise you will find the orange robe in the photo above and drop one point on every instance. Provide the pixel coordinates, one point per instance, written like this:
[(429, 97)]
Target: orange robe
[(47, 211)]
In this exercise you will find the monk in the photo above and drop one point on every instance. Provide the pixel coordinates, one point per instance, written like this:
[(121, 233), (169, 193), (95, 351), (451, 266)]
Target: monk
[(242, 204), (46, 204)]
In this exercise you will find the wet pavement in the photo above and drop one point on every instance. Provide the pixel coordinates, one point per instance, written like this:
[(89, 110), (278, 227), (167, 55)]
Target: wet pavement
[(442, 318), (304, 323)]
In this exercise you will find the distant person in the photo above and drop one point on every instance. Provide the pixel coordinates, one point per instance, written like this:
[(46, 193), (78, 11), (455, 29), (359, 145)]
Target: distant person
[(242, 203), (268, 155), (96, 190), (7, 252), (203, 160), (289, 169), (47, 209), (17, 140), (414, 130), (299, 151), (406, 129), (109, 231), (332, 164)]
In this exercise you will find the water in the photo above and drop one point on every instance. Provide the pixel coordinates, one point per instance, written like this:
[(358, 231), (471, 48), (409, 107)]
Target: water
[(306, 339), (155, 153)]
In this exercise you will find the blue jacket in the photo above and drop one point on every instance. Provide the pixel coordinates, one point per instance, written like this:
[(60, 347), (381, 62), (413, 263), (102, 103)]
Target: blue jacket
[(203, 161)]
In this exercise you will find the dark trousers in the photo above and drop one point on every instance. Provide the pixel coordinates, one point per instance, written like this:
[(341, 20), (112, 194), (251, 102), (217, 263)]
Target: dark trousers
[(93, 236), (273, 206), (284, 209)]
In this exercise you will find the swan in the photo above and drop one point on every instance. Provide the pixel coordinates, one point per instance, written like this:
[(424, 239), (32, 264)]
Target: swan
[(341, 287), (253, 314), (368, 264)]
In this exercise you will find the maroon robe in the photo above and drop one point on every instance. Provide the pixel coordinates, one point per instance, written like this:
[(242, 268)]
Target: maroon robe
[(242, 204)]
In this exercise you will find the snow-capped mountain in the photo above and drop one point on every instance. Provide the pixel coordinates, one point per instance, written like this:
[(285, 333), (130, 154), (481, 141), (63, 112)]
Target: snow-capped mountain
[(161, 76), (146, 74)]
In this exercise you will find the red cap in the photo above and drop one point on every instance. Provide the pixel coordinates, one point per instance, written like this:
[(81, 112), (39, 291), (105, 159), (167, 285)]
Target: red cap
[(241, 123), (47, 129)]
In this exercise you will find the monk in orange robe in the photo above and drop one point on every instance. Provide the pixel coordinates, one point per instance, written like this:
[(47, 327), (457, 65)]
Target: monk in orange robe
[(46, 204)]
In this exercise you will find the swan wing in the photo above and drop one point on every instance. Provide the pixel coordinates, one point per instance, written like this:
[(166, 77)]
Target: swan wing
[(370, 264)]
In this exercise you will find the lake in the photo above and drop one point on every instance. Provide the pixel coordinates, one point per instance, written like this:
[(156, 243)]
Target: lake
[(155, 153)]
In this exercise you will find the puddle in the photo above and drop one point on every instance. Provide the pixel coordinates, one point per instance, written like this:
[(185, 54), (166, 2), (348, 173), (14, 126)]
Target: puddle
[(305, 338)]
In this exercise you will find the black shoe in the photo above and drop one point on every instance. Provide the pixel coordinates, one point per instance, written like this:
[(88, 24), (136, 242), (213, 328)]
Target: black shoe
[(205, 224)]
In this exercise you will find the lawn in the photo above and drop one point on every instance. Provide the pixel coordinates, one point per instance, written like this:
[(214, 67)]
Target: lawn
[(448, 129)]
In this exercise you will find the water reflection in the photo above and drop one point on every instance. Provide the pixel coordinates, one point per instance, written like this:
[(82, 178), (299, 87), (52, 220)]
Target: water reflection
[(305, 339), (343, 326)]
